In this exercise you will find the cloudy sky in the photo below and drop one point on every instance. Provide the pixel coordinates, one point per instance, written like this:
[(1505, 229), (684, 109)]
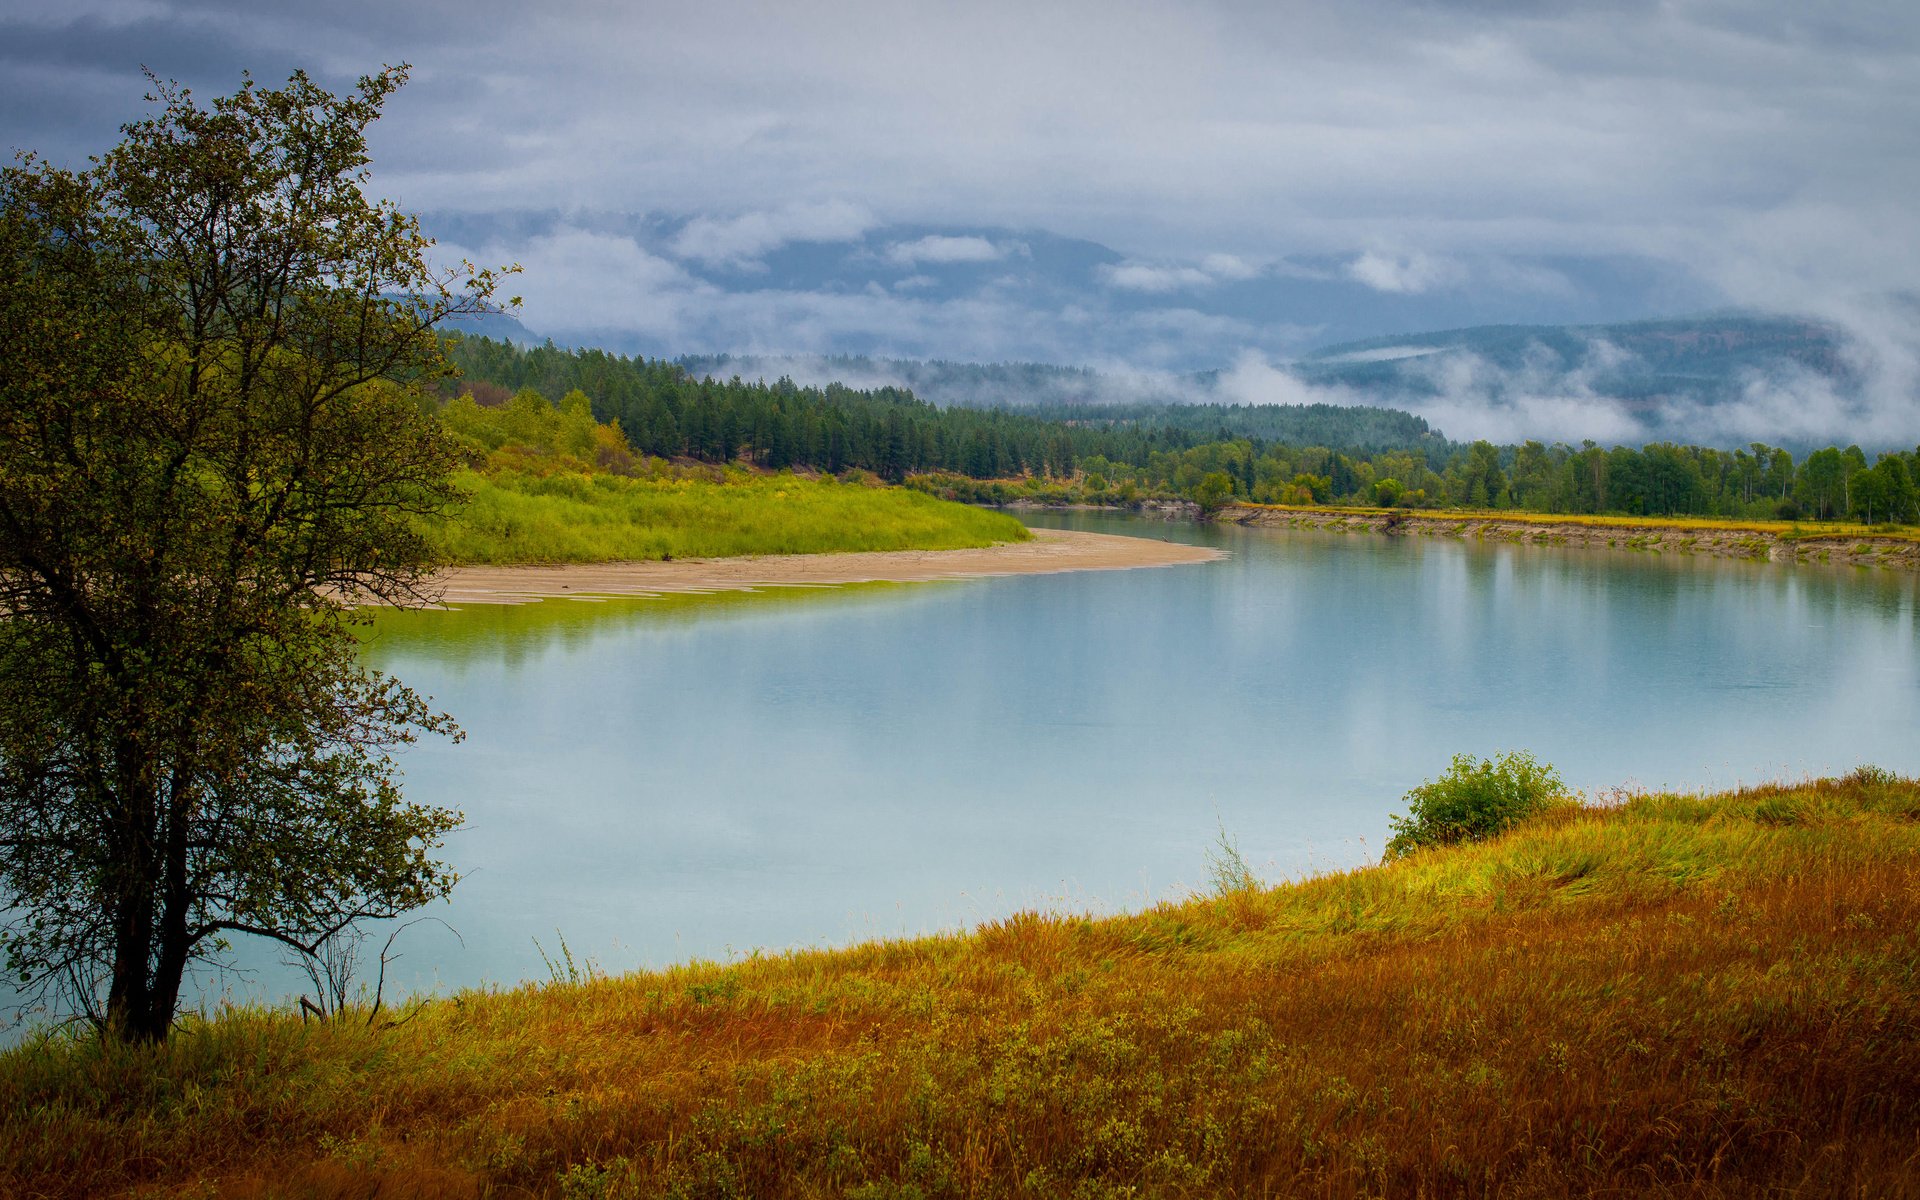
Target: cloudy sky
[(1146, 183)]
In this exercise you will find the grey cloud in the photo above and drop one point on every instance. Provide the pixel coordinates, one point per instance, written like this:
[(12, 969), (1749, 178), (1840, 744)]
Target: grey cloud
[(584, 282), (1765, 151), (193, 48), (944, 249), (1146, 277), (1224, 117), (743, 240), (1410, 273), (1153, 277)]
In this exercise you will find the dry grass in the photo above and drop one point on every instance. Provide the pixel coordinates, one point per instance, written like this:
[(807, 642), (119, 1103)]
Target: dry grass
[(1679, 996)]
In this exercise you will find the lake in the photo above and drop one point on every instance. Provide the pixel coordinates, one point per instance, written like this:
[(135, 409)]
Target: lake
[(658, 780)]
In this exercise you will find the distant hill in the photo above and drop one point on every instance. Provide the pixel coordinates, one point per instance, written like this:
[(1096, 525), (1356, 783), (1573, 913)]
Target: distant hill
[(1662, 372), (1681, 379), (1361, 427), (965, 384), (1085, 397), (501, 327)]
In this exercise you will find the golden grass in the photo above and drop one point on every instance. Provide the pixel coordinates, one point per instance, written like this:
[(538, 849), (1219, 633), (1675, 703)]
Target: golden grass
[(1700, 996), (1782, 529)]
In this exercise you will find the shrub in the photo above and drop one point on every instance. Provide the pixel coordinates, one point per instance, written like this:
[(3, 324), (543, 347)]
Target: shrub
[(1474, 800), (1213, 492)]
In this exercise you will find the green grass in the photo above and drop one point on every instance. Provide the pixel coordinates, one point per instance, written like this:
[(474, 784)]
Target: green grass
[(515, 517), (1682, 995)]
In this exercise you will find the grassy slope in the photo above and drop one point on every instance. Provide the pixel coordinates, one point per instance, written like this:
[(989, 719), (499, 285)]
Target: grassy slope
[(567, 517), (1700, 996)]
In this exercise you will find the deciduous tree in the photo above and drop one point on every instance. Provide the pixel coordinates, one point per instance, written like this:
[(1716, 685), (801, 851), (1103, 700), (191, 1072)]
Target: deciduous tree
[(211, 439)]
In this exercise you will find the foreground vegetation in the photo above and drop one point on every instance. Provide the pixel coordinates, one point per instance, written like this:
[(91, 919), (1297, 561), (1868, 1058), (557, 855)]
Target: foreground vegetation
[(1672, 995)]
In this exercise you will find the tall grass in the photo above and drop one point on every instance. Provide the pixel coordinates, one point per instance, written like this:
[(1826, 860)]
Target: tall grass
[(1681, 995), (515, 517)]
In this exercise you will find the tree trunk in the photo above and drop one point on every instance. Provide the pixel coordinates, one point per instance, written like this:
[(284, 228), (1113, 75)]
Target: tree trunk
[(144, 985), (128, 996)]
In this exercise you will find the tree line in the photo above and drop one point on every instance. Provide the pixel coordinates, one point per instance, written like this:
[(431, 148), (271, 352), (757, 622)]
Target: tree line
[(1325, 455), (667, 412), (1660, 479)]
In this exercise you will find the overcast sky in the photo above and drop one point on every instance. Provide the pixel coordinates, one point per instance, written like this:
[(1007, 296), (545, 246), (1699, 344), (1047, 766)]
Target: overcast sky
[(1129, 182)]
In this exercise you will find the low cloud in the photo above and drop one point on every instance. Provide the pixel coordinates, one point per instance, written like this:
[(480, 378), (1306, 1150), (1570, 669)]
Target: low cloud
[(940, 382), (1470, 398), (1405, 275), (1558, 417), (813, 370), (1229, 267), (1878, 407), (1140, 277), (1872, 398), (1384, 354), (1418, 273), (1854, 266), (1473, 399), (942, 250), (1172, 277), (580, 279), (1255, 380), (740, 242)]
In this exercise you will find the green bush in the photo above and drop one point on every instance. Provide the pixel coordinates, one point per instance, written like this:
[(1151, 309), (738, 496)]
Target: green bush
[(1473, 800), (1213, 492)]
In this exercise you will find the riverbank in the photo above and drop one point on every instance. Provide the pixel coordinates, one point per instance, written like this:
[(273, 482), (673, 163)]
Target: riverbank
[(1164, 510), (1678, 995), (1048, 551), (1767, 541)]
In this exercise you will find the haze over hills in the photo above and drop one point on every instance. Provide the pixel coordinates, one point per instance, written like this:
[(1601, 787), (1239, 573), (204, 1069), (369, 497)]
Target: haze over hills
[(832, 282), (1718, 379)]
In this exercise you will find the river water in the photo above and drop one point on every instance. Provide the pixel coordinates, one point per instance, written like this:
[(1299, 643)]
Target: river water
[(701, 777)]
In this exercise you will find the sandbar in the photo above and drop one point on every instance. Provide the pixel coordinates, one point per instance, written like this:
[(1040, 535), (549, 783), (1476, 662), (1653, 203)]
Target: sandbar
[(1051, 550)]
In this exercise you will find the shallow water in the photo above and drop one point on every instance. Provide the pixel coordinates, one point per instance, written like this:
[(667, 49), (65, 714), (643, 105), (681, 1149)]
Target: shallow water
[(657, 780)]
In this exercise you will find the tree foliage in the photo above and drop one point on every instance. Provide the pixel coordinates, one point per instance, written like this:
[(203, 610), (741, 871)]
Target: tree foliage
[(211, 438)]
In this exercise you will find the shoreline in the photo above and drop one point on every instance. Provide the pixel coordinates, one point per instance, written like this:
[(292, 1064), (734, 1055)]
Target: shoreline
[(1752, 542), (1050, 551)]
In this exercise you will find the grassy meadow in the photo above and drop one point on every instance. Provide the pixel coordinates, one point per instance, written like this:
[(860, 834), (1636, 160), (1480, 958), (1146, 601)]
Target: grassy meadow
[(547, 483), (520, 517), (1671, 995)]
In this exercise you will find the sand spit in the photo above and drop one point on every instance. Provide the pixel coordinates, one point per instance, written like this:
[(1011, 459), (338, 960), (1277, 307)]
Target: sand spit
[(1051, 550)]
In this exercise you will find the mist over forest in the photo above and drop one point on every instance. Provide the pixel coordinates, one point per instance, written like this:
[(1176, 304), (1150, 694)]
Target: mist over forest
[(1720, 380)]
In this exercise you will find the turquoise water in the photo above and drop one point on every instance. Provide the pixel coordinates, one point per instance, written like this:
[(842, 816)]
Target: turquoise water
[(658, 780)]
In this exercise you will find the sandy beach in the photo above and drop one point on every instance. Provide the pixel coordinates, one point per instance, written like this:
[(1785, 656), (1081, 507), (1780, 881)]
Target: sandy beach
[(1051, 550)]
